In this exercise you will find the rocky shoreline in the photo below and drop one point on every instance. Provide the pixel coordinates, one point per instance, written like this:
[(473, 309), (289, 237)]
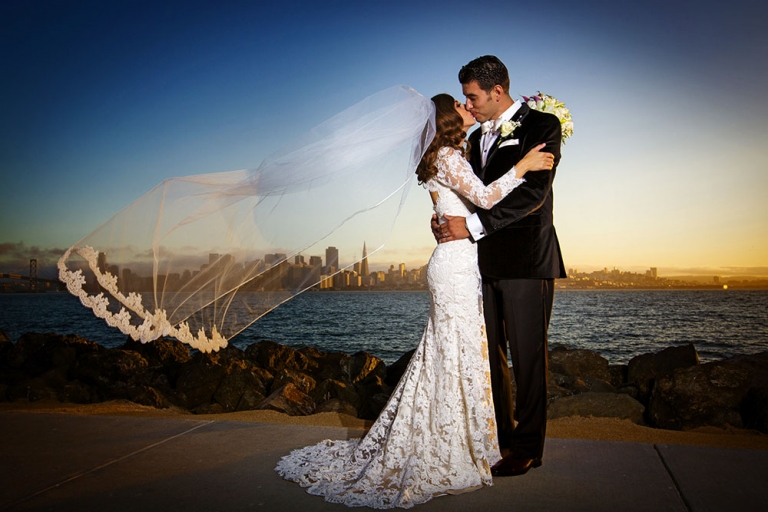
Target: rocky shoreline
[(668, 390)]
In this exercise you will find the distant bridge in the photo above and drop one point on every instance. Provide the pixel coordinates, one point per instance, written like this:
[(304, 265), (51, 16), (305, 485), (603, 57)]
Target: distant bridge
[(27, 278), (34, 281)]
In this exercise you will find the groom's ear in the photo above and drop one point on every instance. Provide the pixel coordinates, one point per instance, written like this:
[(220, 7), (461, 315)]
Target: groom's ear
[(497, 92)]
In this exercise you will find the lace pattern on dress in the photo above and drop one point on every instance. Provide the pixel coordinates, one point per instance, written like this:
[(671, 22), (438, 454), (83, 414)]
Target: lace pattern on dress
[(454, 171)]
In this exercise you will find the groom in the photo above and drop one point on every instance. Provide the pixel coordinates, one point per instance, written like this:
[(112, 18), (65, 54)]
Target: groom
[(518, 254)]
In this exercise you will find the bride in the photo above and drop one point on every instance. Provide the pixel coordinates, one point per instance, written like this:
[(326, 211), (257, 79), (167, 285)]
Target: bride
[(437, 433)]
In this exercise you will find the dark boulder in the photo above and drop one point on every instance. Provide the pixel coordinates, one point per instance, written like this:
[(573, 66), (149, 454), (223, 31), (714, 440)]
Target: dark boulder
[(374, 394), (618, 374), (33, 390), (344, 367), (396, 370), (757, 364), (123, 375), (110, 369), (707, 394), (6, 345), (24, 354), (364, 366), (592, 385), (199, 379), (241, 388), (231, 356), (273, 357), (331, 389), (555, 392), (630, 390), (50, 385), (145, 395), (290, 400), (579, 363), (264, 379), (754, 409), (227, 377), (599, 405), (564, 381), (643, 370), (76, 392), (163, 354), (373, 405), (315, 353), (230, 391), (250, 400), (331, 365), (579, 384), (301, 380), (36, 353), (337, 406)]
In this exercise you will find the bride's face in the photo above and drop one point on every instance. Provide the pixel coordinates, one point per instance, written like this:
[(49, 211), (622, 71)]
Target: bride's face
[(465, 114)]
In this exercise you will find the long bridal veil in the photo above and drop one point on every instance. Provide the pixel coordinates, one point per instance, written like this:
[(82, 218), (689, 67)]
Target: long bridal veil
[(200, 258)]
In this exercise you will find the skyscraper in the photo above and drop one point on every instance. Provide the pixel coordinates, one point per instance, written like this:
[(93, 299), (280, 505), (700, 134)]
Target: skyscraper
[(364, 271), (102, 262), (332, 258)]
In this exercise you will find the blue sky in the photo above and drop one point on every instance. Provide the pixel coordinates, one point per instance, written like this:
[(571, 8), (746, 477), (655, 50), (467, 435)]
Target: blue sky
[(104, 100)]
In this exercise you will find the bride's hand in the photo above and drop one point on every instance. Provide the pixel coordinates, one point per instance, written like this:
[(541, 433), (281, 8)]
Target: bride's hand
[(535, 161)]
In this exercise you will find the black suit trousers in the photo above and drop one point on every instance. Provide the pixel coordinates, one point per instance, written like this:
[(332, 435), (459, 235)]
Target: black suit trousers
[(517, 313)]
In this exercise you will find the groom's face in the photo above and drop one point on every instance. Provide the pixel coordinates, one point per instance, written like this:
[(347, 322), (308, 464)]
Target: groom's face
[(479, 102)]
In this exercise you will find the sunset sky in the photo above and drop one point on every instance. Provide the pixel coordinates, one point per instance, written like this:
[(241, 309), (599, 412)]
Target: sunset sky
[(101, 101)]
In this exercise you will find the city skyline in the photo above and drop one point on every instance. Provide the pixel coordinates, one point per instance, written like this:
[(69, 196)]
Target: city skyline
[(293, 276), (666, 167), (281, 271), (270, 272), (46, 259)]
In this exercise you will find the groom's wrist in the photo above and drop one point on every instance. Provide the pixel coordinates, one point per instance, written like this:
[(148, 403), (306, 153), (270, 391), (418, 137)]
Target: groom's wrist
[(474, 227)]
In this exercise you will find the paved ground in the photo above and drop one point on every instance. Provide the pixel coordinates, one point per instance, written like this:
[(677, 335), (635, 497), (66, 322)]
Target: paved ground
[(114, 463)]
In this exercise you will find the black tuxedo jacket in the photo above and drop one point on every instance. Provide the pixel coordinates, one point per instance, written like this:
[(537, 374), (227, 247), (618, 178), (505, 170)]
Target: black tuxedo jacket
[(520, 239)]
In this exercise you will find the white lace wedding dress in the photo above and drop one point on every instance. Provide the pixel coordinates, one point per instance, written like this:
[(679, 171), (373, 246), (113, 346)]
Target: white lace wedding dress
[(437, 434)]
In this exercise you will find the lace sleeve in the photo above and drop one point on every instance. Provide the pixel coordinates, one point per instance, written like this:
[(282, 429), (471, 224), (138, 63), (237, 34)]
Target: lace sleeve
[(454, 171)]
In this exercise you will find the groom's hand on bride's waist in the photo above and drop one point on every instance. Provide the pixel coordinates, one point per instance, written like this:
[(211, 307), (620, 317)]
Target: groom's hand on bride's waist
[(454, 228)]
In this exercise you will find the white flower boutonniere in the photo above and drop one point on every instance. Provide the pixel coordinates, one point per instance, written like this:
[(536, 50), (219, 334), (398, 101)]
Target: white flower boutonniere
[(507, 128), (551, 105)]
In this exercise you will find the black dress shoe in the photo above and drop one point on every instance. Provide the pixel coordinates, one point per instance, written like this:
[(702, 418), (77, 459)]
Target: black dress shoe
[(514, 466)]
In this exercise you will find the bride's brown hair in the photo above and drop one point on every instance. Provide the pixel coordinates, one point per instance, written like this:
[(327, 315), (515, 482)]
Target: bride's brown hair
[(449, 132)]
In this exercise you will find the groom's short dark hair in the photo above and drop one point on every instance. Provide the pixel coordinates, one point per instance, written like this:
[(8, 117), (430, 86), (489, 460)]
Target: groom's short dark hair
[(487, 71)]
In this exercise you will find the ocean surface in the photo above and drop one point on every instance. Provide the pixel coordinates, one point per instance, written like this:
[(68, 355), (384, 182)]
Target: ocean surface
[(618, 324)]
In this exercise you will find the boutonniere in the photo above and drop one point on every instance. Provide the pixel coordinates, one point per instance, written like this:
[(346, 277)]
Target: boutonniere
[(551, 105), (507, 128)]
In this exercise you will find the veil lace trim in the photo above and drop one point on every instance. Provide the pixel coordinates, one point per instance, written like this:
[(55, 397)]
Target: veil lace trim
[(155, 324)]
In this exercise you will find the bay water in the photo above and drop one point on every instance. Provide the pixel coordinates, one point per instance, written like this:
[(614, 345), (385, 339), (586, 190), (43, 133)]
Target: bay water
[(618, 324)]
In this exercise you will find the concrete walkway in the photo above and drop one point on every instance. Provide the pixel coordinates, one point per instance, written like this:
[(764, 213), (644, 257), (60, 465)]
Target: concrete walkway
[(115, 463)]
